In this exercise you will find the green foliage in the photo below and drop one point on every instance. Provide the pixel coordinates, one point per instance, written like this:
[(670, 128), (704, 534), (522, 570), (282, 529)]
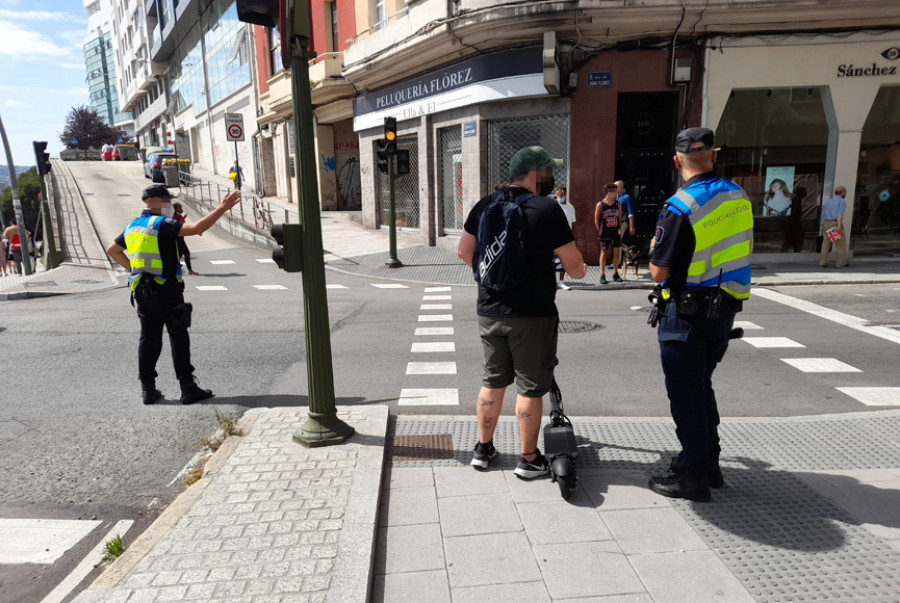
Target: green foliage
[(114, 549), (227, 423), (86, 125), (29, 187)]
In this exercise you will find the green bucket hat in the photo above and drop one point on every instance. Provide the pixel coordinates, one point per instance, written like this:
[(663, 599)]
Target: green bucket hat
[(531, 158)]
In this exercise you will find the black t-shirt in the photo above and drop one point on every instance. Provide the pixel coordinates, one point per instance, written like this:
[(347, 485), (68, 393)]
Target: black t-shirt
[(546, 229), (675, 241), (168, 249), (609, 219)]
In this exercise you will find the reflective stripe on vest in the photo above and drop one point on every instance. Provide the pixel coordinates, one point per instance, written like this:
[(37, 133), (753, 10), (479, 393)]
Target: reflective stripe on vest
[(142, 244), (722, 219)]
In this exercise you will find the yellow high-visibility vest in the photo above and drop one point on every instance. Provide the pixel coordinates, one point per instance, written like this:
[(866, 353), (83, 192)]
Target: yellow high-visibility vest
[(142, 244)]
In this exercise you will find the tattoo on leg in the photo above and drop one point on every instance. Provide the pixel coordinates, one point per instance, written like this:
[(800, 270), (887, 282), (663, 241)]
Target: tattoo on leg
[(485, 401), (524, 415), (487, 423)]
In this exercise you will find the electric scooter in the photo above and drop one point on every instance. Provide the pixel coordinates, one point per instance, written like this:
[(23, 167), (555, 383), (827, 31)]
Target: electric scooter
[(559, 445)]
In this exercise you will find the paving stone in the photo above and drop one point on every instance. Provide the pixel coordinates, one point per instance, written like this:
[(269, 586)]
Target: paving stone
[(614, 491), (651, 531), (673, 577), (551, 522), (428, 586), (478, 514), (409, 477), (492, 559), (459, 481), (409, 549), (532, 592), (586, 569)]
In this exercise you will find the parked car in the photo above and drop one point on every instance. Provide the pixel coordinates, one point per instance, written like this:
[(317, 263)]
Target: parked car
[(115, 154), (153, 165)]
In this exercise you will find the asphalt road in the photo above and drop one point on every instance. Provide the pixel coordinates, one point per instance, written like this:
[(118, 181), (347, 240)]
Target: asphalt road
[(76, 443)]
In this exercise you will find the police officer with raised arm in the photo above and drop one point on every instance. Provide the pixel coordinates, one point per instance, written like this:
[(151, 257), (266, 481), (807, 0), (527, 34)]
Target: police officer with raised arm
[(700, 259), (148, 249)]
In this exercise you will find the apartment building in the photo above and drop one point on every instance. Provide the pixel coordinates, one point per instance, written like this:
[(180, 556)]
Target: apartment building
[(101, 67)]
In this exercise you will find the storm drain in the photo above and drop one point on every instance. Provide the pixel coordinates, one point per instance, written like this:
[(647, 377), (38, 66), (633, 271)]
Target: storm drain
[(577, 326), (421, 447), (40, 284)]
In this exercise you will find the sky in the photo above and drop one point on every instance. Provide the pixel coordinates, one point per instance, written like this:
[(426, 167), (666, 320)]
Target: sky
[(42, 73)]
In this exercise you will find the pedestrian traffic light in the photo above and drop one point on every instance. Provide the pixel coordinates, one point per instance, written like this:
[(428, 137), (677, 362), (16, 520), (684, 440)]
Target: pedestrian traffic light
[(258, 12), (390, 135), (288, 256), (41, 157), (402, 162), (383, 159)]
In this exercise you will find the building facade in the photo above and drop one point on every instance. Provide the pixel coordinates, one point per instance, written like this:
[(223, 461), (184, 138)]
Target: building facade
[(100, 67)]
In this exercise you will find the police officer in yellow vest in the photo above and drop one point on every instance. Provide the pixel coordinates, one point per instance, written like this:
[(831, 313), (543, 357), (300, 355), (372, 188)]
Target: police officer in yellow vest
[(156, 286), (701, 259)]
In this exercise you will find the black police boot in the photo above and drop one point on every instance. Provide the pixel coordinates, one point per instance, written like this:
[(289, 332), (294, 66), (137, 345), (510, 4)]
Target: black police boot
[(149, 393), (191, 392), (683, 481), (714, 472)]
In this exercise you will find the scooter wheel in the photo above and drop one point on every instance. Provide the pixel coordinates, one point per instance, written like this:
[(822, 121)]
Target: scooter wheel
[(564, 488)]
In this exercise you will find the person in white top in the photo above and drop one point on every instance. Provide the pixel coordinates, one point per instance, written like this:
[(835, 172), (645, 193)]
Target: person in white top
[(569, 210)]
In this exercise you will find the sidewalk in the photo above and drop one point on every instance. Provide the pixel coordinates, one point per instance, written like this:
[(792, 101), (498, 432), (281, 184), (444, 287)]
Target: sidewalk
[(810, 509)]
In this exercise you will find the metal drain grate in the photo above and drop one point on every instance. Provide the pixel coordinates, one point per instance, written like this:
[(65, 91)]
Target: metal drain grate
[(41, 284), (421, 447), (577, 326)]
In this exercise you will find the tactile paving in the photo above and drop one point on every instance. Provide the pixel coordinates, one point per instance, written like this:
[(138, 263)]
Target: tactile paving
[(782, 539)]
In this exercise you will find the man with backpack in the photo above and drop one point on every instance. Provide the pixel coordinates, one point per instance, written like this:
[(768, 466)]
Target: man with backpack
[(509, 239)]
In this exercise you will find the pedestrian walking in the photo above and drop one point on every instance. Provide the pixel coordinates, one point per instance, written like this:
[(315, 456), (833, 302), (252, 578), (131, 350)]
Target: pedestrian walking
[(236, 175), (607, 218), (569, 210), (183, 250), (518, 324), (4, 256), (150, 241), (625, 203), (11, 234), (700, 258), (833, 229)]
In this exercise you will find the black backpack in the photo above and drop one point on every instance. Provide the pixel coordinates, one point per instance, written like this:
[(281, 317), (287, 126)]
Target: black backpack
[(500, 261)]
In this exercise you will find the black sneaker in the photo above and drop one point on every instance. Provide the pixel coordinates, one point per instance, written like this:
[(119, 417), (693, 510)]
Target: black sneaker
[(151, 395), (191, 392), (603, 280), (616, 277), (483, 455), (532, 469)]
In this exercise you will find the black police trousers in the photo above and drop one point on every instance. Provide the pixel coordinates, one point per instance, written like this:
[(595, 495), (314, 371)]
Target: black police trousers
[(157, 307), (691, 347)]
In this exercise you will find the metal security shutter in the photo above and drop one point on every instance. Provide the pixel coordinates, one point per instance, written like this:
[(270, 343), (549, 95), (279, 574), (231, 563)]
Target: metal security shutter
[(451, 180), (406, 188), (507, 136)]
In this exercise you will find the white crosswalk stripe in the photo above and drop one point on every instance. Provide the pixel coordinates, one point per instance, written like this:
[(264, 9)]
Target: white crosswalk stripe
[(269, 287), (40, 540), (436, 307), (222, 262), (435, 317), (772, 342), (820, 365), (747, 325), (425, 331), (210, 288), (429, 397), (389, 286), (436, 297), (431, 368), (335, 287), (436, 289), (421, 347), (874, 396)]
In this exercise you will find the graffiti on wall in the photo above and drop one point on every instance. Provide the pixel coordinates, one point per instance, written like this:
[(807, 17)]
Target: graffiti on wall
[(327, 184)]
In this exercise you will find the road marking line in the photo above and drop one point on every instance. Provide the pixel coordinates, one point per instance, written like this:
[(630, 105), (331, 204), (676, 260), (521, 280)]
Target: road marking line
[(747, 325), (821, 365), (429, 397), (335, 287), (845, 320), (92, 559), (436, 307), (772, 342), (436, 297), (265, 260), (436, 289), (435, 317), (210, 288), (222, 262), (390, 286), (269, 287), (40, 540), (433, 346), (874, 396), (434, 331), (431, 368)]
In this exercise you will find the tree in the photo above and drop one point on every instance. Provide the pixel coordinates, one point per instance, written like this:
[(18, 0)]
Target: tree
[(29, 188), (85, 124)]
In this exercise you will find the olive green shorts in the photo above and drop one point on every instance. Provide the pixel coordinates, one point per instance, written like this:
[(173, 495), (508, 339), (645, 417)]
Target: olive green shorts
[(520, 349)]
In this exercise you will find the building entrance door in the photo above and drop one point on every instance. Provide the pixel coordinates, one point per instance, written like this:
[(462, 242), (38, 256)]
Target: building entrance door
[(645, 133)]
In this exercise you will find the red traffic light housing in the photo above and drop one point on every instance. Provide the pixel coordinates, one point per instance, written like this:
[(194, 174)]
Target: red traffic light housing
[(258, 12), (289, 256), (41, 157), (390, 135)]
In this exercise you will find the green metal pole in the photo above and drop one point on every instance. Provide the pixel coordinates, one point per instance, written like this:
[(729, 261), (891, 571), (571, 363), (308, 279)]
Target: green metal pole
[(393, 262), (52, 256), (323, 427)]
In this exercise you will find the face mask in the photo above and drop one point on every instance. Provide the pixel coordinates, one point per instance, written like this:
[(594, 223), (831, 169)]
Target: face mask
[(547, 187), (167, 210), (561, 199)]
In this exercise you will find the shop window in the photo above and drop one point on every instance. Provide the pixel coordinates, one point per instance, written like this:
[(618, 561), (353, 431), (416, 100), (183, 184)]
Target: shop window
[(876, 210), (774, 145), (507, 136), (451, 180)]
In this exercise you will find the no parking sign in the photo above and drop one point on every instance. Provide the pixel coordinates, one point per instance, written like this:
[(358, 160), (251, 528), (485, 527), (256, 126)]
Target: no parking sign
[(234, 127)]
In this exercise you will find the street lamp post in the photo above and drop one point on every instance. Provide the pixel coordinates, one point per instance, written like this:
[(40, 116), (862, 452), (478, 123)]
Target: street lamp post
[(17, 204)]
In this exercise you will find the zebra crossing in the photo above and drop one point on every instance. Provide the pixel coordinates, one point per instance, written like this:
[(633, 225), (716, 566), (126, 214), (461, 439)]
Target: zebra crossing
[(868, 395), (429, 355)]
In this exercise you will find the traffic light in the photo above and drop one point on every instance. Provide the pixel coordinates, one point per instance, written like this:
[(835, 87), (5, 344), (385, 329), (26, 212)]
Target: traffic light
[(402, 162), (390, 135), (258, 12), (383, 159), (289, 256), (41, 157)]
